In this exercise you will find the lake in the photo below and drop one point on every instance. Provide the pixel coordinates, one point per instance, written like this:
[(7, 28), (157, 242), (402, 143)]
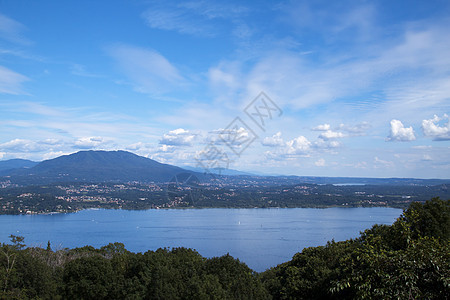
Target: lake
[(262, 238)]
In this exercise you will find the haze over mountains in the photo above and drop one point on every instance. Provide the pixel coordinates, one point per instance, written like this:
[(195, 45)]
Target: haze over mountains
[(123, 166), (17, 163)]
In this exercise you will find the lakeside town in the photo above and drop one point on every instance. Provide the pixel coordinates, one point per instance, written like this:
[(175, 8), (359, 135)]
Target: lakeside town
[(249, 193)]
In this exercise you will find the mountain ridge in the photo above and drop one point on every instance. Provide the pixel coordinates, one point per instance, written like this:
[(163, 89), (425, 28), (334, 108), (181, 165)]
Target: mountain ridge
[(98, 165), (6, 166), (124, 166)]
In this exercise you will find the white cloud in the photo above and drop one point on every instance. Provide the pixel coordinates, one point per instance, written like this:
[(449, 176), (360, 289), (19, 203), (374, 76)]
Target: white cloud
[(320, 163), (274, 141), (400, 133), (11, 30), (177, 20), (90, 142), (236, 136), (166, 148), (41, 109), (326, 144), (355, 130), (51, 142), (427, 157), (54, 154), (299, 145), (21, 145), (178, 137), (382, 163), (149, 71), (282, 151), (323, 127), (193, 17), (136, 146), (329, 135), (11, 82), (432, 128)]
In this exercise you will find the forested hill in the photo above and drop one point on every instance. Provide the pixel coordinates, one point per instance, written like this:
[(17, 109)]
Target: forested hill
[(7, 166), (408, 260), (96, 166)]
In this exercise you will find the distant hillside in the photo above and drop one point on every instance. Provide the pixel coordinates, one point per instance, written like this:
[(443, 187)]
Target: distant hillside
[(8, 165), (123, 166), (97, 166), (219, 171)]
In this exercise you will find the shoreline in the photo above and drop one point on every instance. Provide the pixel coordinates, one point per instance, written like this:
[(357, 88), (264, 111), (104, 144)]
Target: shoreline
[(195, 208)]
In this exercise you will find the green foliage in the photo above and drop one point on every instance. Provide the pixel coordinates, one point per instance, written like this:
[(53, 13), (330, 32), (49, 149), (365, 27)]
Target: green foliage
[(236, 278), (309, 274), (88, 278), (430, 219), (408, 260)]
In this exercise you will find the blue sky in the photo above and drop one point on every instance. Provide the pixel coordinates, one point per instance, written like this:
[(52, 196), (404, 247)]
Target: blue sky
[(362, 87)]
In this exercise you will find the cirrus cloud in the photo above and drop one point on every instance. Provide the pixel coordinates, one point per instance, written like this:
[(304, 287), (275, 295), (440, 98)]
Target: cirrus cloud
[(11, 82), (149, 71)]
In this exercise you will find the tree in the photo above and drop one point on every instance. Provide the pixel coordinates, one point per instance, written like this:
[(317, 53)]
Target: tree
[(88, 278)]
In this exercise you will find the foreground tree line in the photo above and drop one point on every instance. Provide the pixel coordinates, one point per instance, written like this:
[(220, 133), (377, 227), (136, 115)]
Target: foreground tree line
[(407, 260)]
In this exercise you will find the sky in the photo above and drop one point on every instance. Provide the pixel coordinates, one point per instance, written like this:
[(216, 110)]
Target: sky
[(310, 88)]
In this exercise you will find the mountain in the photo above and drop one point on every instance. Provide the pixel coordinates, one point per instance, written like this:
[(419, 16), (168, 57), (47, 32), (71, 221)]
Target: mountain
[(7, 166), (97, 166)]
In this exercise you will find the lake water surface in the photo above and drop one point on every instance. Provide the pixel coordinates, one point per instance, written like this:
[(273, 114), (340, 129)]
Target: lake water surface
[(262, 238)]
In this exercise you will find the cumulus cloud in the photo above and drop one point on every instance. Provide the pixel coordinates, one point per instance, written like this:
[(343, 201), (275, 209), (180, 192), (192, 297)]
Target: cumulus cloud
[(166, 149), (342, 130), (329, 135), (299, 145), (137, 146), (54, 154), (178, 137), (400, 133), (323, 127), (432, 128), (326, 145), (21, 145), (273, 141), (90, 142), (236, 136)]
